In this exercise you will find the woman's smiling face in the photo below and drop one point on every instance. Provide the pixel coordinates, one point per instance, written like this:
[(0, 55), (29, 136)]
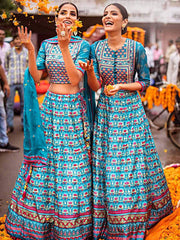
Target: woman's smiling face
[(112, 19), (67, 15)]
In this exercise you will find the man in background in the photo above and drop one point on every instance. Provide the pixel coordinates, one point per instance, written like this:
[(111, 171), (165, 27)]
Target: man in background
[(16, 62), (170, 49), (173, 72), (5, 146), (4, 47)]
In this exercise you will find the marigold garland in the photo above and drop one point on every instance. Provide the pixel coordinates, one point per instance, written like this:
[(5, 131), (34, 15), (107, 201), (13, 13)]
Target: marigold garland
[(166, 96), (88, 34)]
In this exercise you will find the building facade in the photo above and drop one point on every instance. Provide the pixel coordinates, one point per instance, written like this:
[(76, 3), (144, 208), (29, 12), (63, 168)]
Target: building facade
[(160, 19)]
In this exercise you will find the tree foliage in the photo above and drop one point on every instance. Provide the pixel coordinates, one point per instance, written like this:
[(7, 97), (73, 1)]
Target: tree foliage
[(7, 6)]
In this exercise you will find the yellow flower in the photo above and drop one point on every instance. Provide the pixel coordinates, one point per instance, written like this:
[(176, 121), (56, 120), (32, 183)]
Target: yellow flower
[(109, 87), (78, 24), (19, 10), (4, 15), (15, 23)]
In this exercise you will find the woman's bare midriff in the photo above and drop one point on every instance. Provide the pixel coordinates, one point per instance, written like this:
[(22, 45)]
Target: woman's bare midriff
[(63, 88)]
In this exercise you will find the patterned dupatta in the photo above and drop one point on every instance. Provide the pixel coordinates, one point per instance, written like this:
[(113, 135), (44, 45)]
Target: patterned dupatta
[(35, 151)]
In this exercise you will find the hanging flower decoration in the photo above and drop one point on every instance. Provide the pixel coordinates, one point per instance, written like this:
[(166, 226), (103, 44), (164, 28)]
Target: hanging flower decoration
[(166, 96), (135, 33)]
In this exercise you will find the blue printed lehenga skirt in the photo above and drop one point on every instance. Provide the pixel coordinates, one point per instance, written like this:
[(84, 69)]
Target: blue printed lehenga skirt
[(129, 187), (58, 196)]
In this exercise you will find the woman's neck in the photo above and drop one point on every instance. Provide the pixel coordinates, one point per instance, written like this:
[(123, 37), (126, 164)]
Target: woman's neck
[(116, 41)]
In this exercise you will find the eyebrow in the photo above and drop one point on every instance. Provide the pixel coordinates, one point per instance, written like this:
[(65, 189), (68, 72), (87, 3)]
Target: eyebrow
[(72, 11), (111, 11)]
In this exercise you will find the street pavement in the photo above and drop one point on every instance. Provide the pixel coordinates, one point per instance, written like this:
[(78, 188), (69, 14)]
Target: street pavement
[(11, 162)]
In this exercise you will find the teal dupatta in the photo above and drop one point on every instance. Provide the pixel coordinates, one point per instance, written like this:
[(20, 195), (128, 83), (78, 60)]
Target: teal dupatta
[(35, 151)]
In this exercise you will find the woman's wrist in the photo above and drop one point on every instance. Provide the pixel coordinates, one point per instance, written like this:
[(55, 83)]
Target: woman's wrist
[(119, 87)]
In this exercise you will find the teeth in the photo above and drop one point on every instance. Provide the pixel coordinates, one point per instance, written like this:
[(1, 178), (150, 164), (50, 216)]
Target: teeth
[(67, 22), (109, 23)]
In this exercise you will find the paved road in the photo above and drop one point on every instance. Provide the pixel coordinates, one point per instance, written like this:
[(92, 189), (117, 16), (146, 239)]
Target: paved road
[(11, 162)]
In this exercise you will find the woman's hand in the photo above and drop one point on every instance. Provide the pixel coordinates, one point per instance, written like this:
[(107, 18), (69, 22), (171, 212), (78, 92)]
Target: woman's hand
[(88, 66), (25, 38), (63, 34), (6, 89), (110, 90)]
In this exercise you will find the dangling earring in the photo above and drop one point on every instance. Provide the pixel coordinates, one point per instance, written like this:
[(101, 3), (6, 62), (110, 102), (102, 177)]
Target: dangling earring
[(123, 26)]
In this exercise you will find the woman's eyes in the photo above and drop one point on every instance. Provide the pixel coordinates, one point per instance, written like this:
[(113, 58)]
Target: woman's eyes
[(73, 13), (63, 12), (66, 12), (112, 13)]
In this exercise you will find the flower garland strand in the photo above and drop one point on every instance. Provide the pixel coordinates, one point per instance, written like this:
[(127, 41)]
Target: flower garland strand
[(166, 97)]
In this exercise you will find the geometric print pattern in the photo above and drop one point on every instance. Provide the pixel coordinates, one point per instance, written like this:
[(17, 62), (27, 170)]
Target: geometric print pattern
[(120, 66), (50, 57), (130, 192), (58, 196)]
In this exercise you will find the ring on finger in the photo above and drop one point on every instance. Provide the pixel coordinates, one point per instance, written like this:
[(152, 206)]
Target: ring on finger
[(63, 33)]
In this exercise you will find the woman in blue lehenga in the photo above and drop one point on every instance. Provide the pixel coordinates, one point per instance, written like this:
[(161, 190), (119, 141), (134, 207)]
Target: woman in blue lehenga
[(52, 195), (130, 192)]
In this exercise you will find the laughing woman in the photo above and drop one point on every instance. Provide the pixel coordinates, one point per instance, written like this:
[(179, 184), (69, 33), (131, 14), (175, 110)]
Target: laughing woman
[(130, 192), (52, 196)]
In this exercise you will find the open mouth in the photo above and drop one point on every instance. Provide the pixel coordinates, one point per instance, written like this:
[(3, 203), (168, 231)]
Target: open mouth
[(67, 22), (109, 23)]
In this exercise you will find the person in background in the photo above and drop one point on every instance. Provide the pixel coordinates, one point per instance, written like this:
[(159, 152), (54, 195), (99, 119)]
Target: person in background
[(150, 57), (52, 198), (4, 46), (173, 71), (158, 55), (170, 49), (130, 192), (5, 146), (16, 62)]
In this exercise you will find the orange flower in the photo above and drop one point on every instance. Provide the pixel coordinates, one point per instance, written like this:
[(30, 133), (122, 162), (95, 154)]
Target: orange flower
[(78, 24), (4, 15), (19, 10), (109, 87)]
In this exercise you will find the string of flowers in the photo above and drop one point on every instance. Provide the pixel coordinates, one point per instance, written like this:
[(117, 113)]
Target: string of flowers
[(93, 29), (166, 96), (135, 33)]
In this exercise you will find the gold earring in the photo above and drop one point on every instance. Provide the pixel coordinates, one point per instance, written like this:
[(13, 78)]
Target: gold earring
[(123, 26)]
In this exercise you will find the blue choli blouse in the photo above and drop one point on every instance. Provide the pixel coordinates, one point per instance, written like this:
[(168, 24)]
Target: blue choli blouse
[(50, 57), (120, 66)]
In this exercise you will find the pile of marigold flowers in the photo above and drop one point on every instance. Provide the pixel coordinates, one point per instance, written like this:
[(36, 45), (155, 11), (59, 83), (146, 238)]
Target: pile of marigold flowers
[(172, 232), (3, 233)]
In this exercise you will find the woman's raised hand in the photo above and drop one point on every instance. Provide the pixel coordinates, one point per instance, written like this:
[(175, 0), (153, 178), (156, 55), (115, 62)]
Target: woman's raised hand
[(88, 66), (63, 34), (25, 37)]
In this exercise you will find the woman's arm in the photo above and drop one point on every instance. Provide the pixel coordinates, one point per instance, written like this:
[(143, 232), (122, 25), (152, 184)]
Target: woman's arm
[(26, 40), (92, 69), (92, 80), (73, 73)]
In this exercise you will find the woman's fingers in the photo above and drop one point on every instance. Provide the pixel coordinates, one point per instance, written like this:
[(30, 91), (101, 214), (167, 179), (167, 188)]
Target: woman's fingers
[(30, 34), (83, 65)]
